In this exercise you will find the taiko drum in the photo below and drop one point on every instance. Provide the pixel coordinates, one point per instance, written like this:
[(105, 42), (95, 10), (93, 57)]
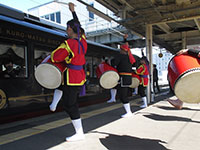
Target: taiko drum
[(108, 76), (135, 80), (49, 74), (184, 77)]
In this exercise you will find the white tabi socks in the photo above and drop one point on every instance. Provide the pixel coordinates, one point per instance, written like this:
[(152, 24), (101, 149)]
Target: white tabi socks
[(56, 98), (128, 111), (79, 131), (144, 99), (113, 93)]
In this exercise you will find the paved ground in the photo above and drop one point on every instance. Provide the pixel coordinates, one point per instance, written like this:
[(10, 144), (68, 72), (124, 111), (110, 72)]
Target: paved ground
[(157, 127)]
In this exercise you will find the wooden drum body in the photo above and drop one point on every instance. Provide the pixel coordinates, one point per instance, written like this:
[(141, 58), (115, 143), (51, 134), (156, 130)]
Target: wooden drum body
[(108, 76), (184, 77), (49, 74), (135, 80)]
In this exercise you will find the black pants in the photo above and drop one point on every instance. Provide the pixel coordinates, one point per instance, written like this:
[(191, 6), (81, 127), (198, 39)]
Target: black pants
[(70, 95), (155, 85), (123, 89), (141, 90), (123, 94)]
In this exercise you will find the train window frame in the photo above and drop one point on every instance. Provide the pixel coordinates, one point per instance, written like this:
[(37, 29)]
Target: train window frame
[(13, 44), (92, 83), (39, 47)]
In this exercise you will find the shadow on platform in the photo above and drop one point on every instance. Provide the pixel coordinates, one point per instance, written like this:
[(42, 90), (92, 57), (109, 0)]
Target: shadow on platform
[(173, 108), (158, 117), (125, 142), (56, 136)]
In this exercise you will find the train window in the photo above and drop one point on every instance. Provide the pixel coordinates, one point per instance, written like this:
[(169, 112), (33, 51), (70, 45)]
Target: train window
[(39, 56), (96, 62), (13, 59), (88, 67), (92, 85), (91, 65)]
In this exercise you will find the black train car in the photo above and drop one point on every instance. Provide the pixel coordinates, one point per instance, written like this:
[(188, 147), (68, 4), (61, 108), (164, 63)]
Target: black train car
[(26, 40)]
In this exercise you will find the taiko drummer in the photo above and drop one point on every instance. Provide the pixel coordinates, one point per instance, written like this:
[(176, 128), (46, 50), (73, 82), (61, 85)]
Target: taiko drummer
[(123, 63), (72, 51)]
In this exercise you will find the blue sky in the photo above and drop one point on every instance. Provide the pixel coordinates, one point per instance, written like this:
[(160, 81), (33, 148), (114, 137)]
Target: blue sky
[(23, 5)]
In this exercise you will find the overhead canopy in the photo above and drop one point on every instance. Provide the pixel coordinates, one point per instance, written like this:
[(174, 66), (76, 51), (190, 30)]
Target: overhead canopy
[(176, 23)]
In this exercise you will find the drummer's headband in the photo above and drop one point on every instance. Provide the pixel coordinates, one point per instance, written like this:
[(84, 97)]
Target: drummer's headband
[(125, 47)]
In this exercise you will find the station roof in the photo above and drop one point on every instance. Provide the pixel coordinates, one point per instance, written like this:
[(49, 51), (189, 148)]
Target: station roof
[(173, 20)]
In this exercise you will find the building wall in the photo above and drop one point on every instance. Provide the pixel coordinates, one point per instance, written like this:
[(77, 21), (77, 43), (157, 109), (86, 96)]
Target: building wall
[(83, 14), (162, 63)]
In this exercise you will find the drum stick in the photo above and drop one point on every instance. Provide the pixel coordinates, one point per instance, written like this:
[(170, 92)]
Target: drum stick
[(46, 58), (64, 3)]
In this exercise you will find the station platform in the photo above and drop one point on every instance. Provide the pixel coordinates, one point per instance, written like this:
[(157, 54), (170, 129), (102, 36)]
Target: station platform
[(157, 127)]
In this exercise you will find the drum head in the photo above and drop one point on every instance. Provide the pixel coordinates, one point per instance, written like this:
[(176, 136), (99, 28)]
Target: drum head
[(187, 88), (109, 79), (135, 83), (48, 75)]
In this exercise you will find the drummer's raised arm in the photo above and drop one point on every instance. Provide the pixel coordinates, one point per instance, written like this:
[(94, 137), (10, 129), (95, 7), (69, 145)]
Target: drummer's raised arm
[(71, 8), (194, 52), (125, 39), (183, 51), (191, 52)]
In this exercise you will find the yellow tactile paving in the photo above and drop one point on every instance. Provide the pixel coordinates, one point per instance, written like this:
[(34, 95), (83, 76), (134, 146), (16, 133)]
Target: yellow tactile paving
[(55, 124), (18, 135)]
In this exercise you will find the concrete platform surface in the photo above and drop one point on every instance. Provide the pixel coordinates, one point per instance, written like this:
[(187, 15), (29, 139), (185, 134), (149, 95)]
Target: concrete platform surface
[(157, 127)]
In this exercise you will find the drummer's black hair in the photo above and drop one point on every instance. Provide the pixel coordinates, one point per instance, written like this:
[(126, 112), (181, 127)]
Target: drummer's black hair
[(74, 24), (143, 58)]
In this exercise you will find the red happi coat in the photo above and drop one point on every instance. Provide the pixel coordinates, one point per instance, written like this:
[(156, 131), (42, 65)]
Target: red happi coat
[(69, 52), (142, 71)]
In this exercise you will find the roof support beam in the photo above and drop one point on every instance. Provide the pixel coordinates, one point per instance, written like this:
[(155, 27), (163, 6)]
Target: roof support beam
[(197, 23), (164, 2), (180, 2), (164, 27), (184, 40), (110, 5), (127, 4), (178, 35), (176, 20), (153, 1)]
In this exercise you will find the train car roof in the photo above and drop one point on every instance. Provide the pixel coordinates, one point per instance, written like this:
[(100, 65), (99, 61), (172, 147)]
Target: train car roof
[(15, 16)]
